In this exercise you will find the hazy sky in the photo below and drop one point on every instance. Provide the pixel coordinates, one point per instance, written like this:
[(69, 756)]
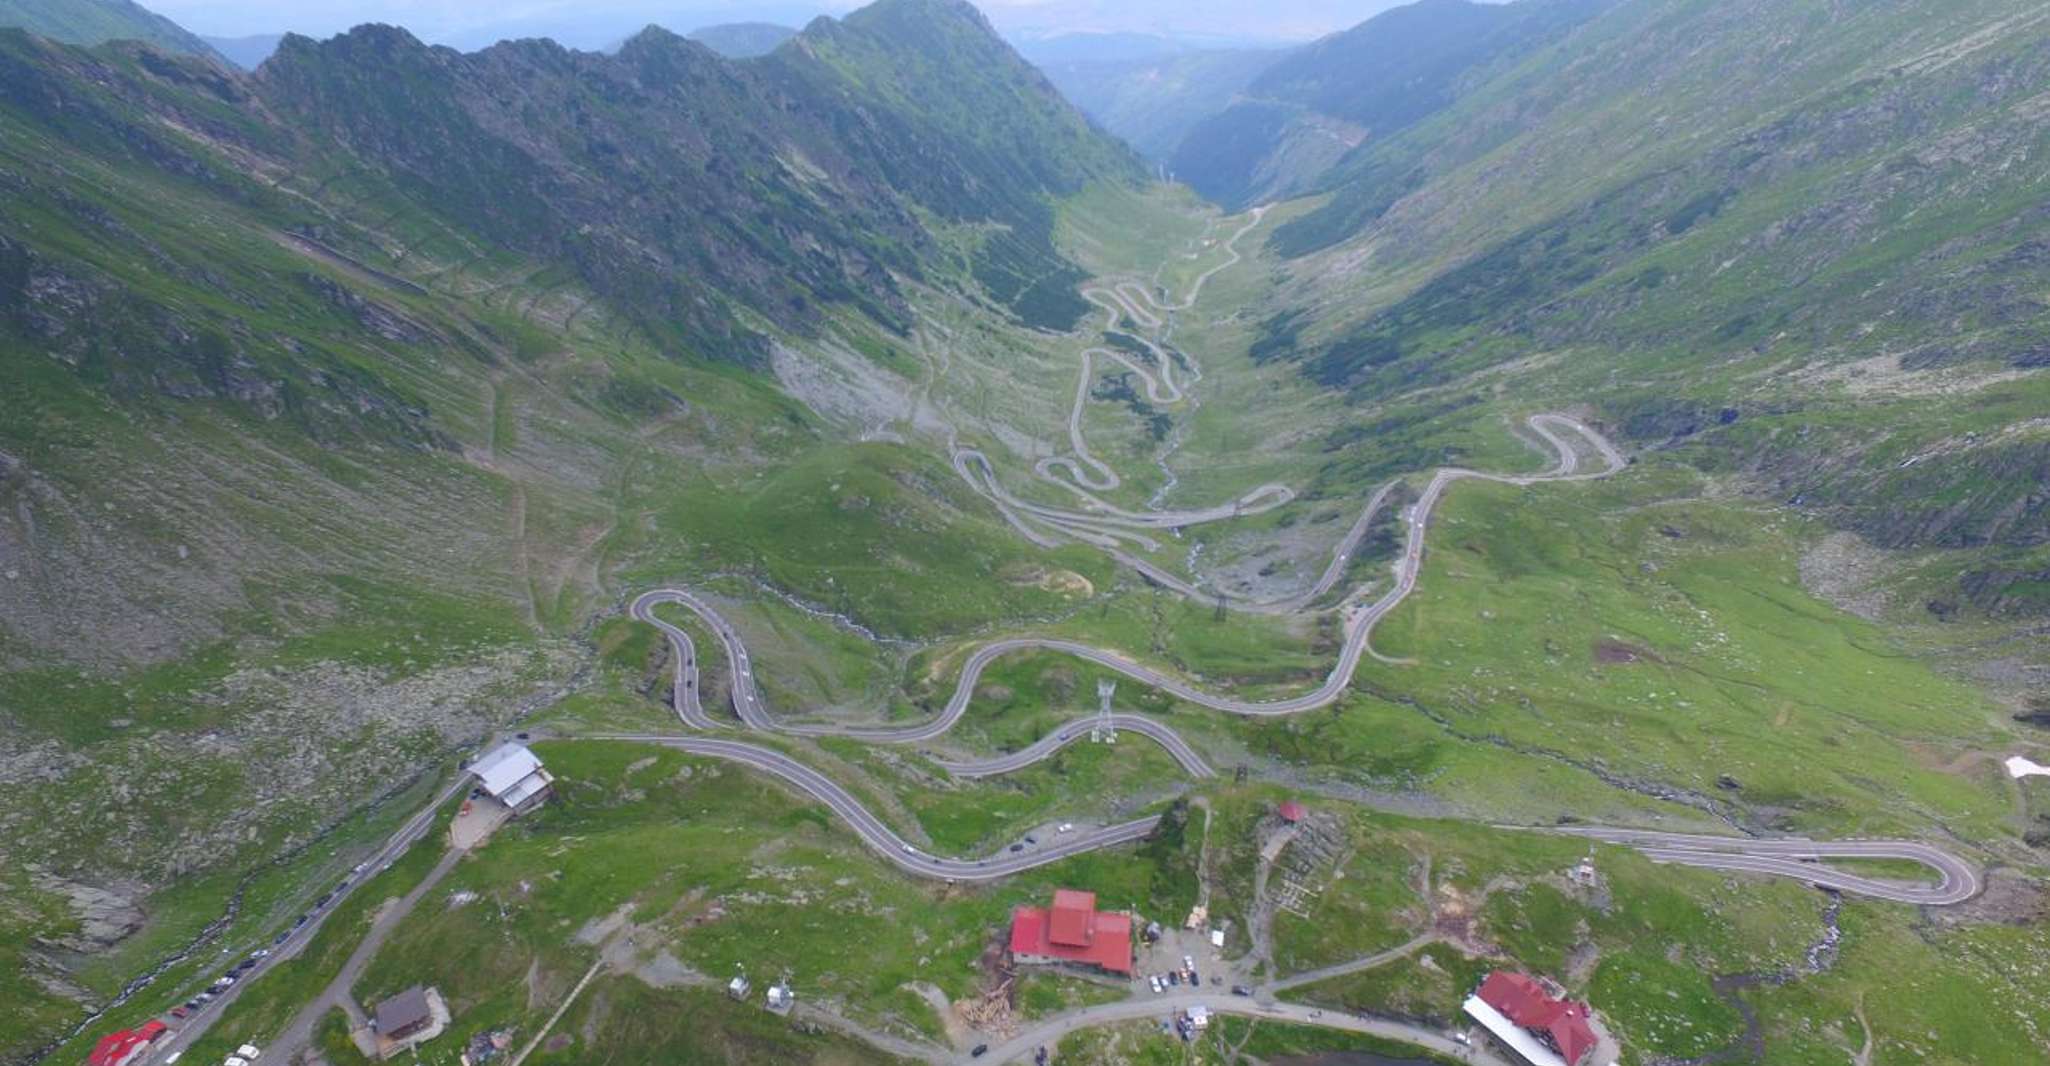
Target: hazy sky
[(472, 23)]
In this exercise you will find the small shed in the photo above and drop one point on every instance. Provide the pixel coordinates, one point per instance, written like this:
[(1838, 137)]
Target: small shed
[(1291, 812), (404, 1014)]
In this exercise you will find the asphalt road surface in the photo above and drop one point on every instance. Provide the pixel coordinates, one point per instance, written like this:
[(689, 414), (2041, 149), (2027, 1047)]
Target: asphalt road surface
[(881, 837), (1069, 733), (1048, 1032), (1801, 859)]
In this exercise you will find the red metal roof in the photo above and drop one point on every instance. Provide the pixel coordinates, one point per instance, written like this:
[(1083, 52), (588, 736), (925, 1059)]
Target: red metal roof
[(1102, 940), (116, 1046), (1292, 811), (1073, 911), (1524, 1001)]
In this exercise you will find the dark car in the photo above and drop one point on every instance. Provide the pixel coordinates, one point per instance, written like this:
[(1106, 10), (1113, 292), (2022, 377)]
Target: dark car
[(1241, 990), (323, 901), (1017, 847), (301, 920), (522, 736), (281, 937), (980, 1051)]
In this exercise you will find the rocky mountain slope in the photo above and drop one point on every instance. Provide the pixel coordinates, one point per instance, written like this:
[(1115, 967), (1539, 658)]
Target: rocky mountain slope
[(336, 393)]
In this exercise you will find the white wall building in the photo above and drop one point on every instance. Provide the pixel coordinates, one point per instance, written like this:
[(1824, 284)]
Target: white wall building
[(513, 776)]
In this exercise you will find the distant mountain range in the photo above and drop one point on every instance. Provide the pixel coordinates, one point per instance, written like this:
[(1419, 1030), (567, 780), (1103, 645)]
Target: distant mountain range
[(246, 52), (741, 40)]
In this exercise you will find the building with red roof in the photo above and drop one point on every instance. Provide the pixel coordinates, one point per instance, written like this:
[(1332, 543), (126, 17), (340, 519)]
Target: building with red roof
[(1072, 932), (1541, 1027), (124, 1046), (1291, 812)]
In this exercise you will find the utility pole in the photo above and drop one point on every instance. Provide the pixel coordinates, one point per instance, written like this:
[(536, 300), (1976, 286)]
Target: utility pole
[(1104, 732)]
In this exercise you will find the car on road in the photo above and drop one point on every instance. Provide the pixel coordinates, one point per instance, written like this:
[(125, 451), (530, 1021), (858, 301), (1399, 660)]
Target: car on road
[(1017, 847), (980, 1051), (909, 850), (281, 938), (180, 1013), (1241, 990), (260, 953)]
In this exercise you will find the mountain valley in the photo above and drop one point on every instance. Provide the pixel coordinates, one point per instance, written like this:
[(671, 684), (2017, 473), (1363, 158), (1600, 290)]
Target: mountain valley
[(1512, 422)]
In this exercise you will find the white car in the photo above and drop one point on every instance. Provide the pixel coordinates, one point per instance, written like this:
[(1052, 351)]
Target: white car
[(1156, 984), (1188, 962), (1066, 827)]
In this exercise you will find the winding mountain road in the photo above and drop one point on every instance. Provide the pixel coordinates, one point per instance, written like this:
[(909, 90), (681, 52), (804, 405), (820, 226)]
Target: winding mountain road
[(1800, 858), (879, 836)]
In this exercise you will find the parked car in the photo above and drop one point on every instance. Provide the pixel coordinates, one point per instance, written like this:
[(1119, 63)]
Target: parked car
[(179, 1013), (1066, 827), (980, 1051), (1188, 962), (1155, 980), (281, 938), (260, 953), (1017, 847), (1241, 990)]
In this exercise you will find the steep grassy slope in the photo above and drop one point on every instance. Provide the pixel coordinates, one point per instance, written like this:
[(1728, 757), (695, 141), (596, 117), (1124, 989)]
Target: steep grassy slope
[(1795, 240), (99, 21), (1305, 112)]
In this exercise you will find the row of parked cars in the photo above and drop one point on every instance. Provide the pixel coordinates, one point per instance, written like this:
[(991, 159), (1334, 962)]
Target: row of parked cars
[(1173, 978), (235, 973)]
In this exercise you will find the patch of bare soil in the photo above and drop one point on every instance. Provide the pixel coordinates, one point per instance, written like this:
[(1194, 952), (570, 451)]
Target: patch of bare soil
[(2009, 899), (1616, 652)]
